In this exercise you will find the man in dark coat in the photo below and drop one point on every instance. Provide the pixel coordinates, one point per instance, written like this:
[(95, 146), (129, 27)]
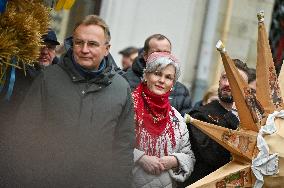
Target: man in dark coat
[(75, 127), (209, 154), (179, 97)]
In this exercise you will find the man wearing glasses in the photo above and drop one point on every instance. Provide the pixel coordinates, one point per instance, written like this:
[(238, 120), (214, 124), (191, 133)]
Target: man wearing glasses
[(47, 51), (75, 127)]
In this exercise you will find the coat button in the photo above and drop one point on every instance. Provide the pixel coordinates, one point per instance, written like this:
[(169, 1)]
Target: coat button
[(83, 92)]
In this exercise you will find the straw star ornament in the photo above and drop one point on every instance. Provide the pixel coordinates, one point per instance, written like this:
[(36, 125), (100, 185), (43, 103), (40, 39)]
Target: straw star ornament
[(257, 146), (22, 24)]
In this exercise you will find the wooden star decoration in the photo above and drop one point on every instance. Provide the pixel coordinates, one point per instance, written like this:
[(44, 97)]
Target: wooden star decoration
[(253, 111)]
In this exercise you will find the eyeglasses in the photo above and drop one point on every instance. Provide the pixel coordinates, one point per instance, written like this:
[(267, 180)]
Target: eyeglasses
[(90, 44)]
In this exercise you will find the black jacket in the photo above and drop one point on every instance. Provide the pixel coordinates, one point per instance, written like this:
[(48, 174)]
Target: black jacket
[(179, 98), (71, 131), (209, 154)]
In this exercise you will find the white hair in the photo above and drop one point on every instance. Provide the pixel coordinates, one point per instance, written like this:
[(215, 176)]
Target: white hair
[(159, 64)]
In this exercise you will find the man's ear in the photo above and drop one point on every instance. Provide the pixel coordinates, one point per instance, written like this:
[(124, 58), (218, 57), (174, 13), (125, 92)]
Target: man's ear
[(145, 56), (107, 49)]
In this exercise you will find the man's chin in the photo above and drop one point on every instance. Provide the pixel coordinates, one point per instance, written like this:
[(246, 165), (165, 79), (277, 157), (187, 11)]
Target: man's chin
[(44, 63), (227, 99), (87, 65)]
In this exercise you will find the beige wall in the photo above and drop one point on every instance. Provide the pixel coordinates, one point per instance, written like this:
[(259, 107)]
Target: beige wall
[(132, 21), (242, 33), (59, 24)]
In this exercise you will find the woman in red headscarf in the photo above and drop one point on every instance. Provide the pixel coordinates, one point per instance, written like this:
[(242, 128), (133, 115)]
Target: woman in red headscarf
[(163, 154)]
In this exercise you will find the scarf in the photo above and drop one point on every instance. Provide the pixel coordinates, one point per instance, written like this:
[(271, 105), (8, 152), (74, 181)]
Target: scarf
[(154, 126), (89, 74)]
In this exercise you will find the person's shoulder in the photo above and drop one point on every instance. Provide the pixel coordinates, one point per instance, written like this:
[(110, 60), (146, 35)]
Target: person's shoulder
[(131, 78), (198, 104), (53, 73), (129, 74), (119, 80), (176, 113), (51, 69), (215, 107), (112, 63), (212, 106), (180, 89), (210, 112), (180, 85), (119, 71), (196, 112), (180, 119)]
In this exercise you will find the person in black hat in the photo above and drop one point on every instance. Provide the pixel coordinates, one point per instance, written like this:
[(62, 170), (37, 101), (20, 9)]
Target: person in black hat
[(47, 52), (128, 56), (24, 79)]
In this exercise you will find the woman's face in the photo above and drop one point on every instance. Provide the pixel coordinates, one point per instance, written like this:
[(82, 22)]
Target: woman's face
[(160, 82)]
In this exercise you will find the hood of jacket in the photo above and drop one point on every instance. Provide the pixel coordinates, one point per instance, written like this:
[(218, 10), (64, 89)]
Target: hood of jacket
[(102, 79), (138, 66)]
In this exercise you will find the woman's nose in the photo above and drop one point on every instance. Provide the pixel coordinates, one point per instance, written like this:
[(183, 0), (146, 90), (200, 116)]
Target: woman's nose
[(162, 79)]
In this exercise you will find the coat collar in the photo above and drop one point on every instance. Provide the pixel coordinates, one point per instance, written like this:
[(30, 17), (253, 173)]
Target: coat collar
[(102, 80)]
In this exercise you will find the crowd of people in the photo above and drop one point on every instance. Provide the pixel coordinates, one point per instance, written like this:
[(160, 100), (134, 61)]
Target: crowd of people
[(83, 122)]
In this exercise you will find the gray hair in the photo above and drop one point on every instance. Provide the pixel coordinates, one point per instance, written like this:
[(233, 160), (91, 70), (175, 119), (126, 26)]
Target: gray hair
[(159, 64)]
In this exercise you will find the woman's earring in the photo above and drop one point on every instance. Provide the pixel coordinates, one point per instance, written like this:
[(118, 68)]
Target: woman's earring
[(171, 89), (144, 81)]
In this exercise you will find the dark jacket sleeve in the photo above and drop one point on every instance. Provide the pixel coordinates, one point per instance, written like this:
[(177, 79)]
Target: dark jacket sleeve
[(123, 145), (180, 98), (31, 110), (131, 78), (186, 104), (209, 154), (207, 149)]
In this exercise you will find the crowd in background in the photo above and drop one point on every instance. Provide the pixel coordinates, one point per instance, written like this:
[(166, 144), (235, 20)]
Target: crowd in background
[(78, 120)]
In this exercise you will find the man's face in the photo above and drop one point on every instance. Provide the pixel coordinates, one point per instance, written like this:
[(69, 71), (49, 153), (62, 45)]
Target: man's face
[(89, 46), (157, 46), (224, 90), (127, 61), (47, 54), (253, 85)]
